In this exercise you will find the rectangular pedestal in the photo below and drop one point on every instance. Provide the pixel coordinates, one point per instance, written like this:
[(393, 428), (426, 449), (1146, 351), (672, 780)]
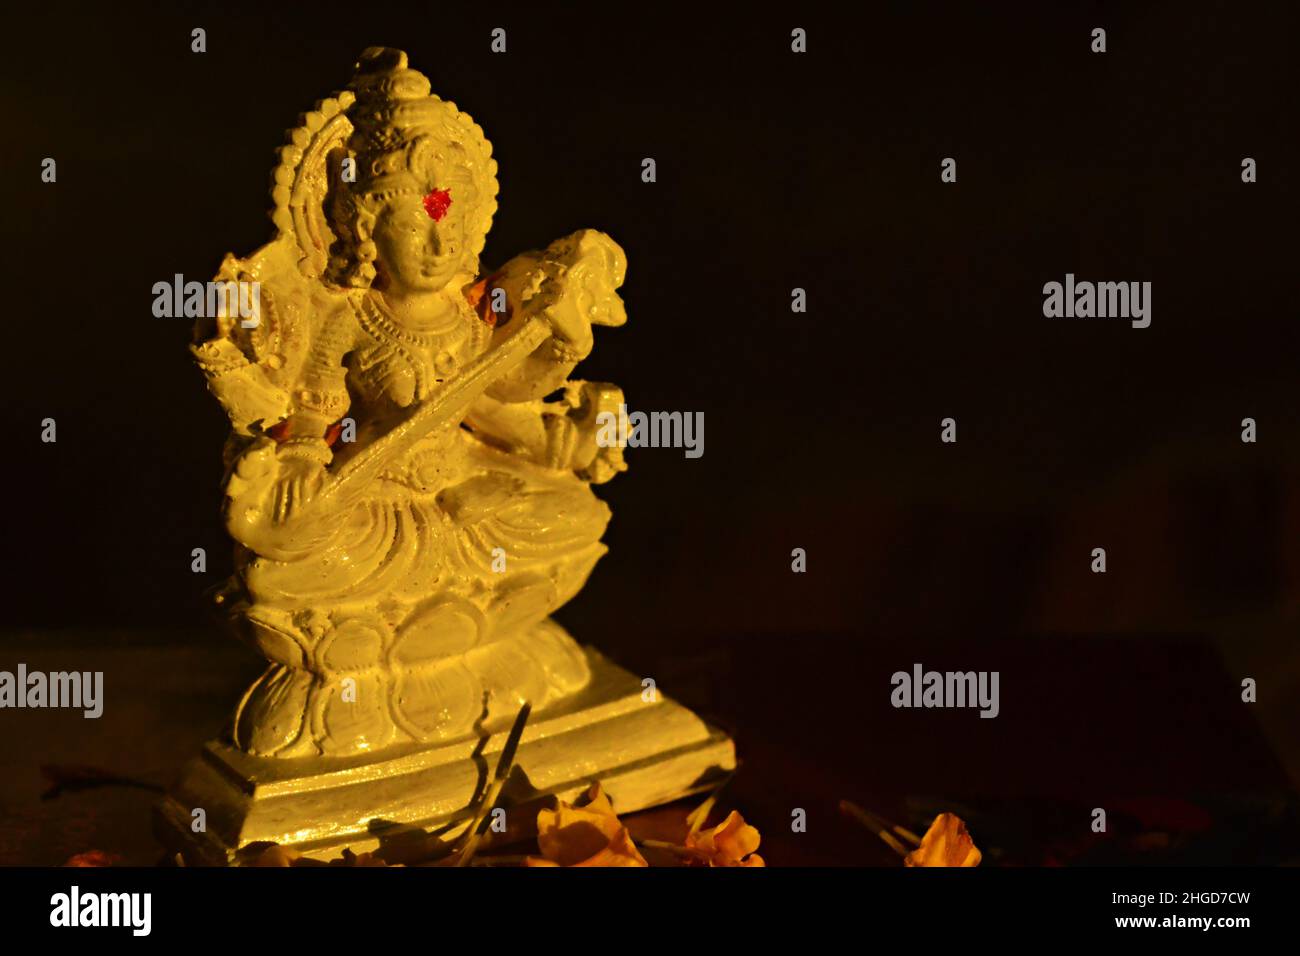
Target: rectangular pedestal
[(643, 753)]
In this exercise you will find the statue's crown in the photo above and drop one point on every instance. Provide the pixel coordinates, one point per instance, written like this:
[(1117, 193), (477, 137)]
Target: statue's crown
[(399, 127)]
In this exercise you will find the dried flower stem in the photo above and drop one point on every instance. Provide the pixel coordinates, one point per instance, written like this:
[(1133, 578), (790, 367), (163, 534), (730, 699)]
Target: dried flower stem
[(881, 827), (470, 840), (697, 817)]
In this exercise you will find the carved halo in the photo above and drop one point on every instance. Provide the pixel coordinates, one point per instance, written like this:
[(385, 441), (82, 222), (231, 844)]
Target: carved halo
[(301, 180)]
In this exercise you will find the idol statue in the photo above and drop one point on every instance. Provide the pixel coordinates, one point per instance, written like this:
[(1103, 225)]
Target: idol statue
[(409, 502), (408, 481)]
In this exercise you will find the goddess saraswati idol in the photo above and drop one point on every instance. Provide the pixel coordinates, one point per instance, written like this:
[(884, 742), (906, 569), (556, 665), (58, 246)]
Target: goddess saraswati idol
[(408, 483)]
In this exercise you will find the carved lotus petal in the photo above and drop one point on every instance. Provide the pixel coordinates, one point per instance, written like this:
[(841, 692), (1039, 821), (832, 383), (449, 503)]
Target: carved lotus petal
[(356, 721), (355, 644), (279, 642), (437, 701), (272, 714), (438, 629)]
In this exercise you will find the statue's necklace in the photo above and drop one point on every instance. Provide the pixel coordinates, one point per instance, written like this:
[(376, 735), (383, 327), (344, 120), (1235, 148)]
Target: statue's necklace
[(429, 354), (383, 324)]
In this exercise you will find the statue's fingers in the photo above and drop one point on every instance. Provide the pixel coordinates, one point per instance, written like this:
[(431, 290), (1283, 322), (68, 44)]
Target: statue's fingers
[(550, 443), (554, 441), (570, 440), (277, 509)]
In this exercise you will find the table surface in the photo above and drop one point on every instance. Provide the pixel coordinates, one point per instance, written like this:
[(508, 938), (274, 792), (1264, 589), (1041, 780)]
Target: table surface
[(1214, 789)]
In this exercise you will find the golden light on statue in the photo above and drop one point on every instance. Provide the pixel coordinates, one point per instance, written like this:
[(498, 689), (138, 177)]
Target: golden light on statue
[(410, 503)]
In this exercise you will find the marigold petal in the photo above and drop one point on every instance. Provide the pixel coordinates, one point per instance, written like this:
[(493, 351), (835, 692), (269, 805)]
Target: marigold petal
[(727, 844), (577, 836), (946, 843), (621, 851), (276, 855), (735, 838), (573, 839)]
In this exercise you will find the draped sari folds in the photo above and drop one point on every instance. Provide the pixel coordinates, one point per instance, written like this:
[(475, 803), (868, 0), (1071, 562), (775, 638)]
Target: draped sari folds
[(427, 607)]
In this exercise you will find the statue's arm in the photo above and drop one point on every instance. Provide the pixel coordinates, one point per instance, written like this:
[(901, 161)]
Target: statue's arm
[(574, 283), (516, 427), (563, 434), (287, 465)]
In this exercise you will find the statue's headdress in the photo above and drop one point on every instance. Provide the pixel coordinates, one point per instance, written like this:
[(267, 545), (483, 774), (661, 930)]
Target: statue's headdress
[(406, 140), (399, 127)]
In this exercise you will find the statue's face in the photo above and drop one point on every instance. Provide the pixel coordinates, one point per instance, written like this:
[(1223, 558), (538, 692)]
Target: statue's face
[(421, 241)]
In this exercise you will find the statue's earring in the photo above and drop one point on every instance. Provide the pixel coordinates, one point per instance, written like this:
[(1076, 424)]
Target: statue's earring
[(367, 251)]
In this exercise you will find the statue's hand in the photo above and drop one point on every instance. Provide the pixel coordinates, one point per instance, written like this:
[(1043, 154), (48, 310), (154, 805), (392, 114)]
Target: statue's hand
[(272, 483), (571, 335), (301, 476), (572, 285), (574, 427), (563, 436)]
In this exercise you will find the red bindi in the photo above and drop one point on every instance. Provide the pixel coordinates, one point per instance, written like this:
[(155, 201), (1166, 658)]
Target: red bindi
[(436, 203)]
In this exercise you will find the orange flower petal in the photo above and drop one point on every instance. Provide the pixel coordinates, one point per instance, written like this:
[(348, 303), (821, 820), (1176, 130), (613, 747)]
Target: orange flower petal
[(735, 838), (590, 835), (620, 852), (276, 855), (946, 843), (727, 844)]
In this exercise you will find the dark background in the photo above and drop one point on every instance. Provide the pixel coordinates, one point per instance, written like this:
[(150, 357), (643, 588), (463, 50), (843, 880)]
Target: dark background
[(775, 170)]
